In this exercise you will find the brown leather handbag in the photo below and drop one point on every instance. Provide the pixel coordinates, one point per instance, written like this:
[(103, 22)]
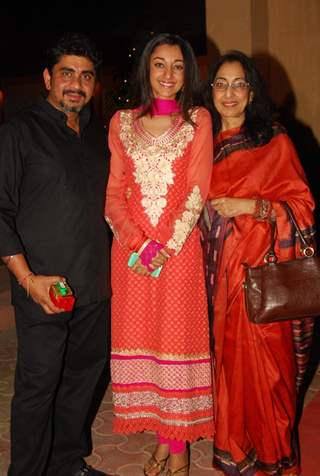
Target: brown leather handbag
[(287, 290)]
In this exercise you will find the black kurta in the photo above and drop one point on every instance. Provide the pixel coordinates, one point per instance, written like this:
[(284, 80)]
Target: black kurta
[(52, 192)]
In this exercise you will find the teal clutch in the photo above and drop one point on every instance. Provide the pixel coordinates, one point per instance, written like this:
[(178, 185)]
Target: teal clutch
[(133, 258)]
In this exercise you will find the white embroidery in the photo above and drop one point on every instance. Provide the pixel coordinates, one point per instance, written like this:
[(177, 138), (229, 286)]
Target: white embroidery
[(184, 225), (153, 158)]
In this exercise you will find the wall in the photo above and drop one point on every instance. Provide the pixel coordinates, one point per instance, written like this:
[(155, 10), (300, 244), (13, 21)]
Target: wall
[(294, 41), (284, 37), (228, 25)]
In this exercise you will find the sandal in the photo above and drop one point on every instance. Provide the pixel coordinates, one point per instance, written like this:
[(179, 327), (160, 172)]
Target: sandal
[(179, 470), (155, 464)]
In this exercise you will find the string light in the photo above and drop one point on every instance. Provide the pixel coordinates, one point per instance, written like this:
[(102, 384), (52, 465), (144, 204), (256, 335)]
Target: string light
[(122, 94)]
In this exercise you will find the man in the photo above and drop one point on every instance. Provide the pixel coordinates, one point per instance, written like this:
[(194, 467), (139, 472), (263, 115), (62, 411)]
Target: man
[(53, 172)]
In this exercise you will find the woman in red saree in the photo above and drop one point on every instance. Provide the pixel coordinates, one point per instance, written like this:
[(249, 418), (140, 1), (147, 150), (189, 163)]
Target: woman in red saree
[(258, 367)]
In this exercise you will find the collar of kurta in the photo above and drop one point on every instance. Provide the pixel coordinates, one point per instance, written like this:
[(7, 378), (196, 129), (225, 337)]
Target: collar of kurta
[(59, 116)]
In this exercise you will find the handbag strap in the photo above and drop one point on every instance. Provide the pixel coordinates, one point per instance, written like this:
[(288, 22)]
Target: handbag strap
[(306, 249), (271, 256)]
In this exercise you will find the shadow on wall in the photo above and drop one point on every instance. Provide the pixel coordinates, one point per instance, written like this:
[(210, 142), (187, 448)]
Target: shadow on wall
[(213, 54), (285, 102)]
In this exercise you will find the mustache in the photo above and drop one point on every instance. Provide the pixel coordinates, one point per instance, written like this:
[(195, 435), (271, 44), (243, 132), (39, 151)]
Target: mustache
[(75, 91)]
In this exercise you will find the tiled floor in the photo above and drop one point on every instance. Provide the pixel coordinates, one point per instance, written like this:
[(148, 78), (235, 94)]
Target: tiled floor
[(120, 454)]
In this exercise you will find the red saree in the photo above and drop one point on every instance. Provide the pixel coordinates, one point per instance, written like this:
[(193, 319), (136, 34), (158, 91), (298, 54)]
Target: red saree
[(258, 367)]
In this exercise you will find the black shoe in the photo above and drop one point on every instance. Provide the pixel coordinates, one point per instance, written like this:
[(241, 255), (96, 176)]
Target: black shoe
[(86, 470)]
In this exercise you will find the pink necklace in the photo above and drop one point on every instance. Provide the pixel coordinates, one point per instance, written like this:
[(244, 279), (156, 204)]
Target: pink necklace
[(164, 107)]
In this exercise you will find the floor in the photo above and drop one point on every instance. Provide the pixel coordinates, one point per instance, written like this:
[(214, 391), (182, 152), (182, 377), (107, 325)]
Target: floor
[(125, 456)]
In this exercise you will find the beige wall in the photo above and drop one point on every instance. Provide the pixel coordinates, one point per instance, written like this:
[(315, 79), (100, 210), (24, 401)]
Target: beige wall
[(284, 36), (228, 25), (294, 41)]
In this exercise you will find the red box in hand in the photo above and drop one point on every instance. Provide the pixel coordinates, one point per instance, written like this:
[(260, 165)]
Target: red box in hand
[(61, 296)]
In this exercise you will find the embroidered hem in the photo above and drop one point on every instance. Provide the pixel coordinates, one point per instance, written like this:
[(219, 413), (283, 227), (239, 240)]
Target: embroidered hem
[(137, 426)]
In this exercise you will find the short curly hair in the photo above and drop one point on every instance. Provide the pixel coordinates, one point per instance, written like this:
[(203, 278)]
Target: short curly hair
[(77, 44)]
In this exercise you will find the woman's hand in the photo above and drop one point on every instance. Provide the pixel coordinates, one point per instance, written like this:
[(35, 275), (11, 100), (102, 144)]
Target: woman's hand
[(160, 259), (140, 269), (233, 207)]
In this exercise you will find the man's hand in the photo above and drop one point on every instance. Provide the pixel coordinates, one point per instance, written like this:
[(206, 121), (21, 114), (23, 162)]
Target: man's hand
[(37, 286), (233, 207)]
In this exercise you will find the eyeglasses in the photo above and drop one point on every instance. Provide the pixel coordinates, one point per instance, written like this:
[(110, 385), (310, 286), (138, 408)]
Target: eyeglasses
[(239, 85)]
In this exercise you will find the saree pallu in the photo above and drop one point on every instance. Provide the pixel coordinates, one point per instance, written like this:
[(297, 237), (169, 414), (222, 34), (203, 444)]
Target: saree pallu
[(258, 367)]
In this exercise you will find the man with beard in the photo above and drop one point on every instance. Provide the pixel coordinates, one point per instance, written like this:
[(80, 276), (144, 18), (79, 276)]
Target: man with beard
[(53, 173)]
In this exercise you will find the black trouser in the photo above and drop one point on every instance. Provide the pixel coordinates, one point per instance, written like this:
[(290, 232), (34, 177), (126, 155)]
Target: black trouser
[(60, 358)]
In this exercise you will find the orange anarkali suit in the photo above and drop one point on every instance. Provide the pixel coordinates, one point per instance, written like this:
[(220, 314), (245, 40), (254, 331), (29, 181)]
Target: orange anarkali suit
[(160, 362), (258, 367)]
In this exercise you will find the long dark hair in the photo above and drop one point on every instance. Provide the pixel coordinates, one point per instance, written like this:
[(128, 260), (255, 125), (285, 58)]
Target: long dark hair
[(189, 96), (257, 125)]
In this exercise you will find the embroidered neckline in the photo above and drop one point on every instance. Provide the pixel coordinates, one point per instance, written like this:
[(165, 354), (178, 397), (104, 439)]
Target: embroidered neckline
[(163, 138), (153, 159)]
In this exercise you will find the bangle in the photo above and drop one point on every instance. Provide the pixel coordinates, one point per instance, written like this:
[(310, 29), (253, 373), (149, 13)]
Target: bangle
[(28, 283), (143, 246), (20, 281), (262, 209)]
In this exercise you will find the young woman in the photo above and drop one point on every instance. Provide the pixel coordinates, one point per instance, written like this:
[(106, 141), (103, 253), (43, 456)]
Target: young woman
[(159, 179)]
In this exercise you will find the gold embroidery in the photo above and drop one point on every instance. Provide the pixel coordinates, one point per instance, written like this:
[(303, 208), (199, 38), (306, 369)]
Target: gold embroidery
[(184, 225), (175, 405), (165, 421), (153, 158), (159, 355)]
